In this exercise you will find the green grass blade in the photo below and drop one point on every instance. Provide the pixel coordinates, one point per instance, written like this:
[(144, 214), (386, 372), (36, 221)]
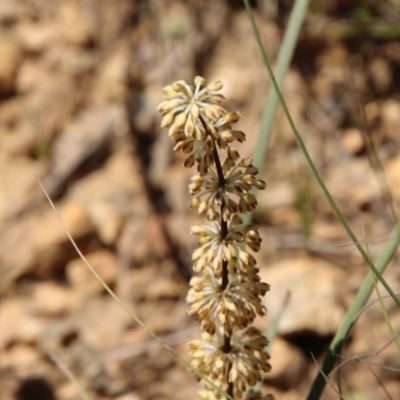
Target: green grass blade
[(382, 305), (314, 168), (347, 323), (386, 314), (382, 261), (284, 59), (272, 331)]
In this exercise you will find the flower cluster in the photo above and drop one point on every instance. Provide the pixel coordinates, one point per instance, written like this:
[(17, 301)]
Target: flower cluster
[(226, 294)]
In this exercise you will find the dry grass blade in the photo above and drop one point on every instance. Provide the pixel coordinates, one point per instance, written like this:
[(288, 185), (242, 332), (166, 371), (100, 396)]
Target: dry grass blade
[(121, 303), (70, 375)]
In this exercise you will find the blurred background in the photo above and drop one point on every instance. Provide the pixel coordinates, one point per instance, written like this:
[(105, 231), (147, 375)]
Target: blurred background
[(80, 81)]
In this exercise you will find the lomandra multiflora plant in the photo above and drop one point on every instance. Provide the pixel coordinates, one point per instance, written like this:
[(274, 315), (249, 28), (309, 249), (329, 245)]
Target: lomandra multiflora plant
[(226, 294)]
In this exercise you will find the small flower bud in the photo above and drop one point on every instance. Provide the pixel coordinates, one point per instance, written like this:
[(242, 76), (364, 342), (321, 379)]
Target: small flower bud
[(189, 162), (180, 86), (199, 81), (240, 136), (233, 153), (189, 128), (215, 86), (167, 120), (195, 111), (232, 117), (260, 184), (169, 93), (180, 120)]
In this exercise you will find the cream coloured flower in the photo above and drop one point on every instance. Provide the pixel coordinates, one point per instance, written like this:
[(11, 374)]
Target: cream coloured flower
[(191, 108), (214, 249), (234, 307), (233, 195), (196, 123), (242, 366), (226, 296)]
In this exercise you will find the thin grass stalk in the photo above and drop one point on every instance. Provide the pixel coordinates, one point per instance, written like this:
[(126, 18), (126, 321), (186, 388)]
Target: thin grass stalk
[(272, 331), (385, 313), (125, 306), (284, 58), (382, 305), (383, 259), (372, 153), (359, 302), (312, 165), (71, 376)]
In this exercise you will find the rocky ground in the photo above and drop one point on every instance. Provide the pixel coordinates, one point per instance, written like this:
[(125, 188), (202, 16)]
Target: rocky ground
[(79, 84)]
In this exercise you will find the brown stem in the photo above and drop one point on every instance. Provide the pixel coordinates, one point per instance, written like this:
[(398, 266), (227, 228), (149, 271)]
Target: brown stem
[(221, 177), (226, 348), (224, 224), (230, 389)]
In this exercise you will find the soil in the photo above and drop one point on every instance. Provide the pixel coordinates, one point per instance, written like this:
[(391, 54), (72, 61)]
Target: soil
[(79, 85)]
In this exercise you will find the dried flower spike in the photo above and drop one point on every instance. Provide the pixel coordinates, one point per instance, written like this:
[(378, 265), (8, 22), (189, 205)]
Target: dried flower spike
[(226, 294)]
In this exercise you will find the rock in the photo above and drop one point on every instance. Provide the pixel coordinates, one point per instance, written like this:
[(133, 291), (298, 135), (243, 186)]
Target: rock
[(393, 175), (89, 135), (53, 300), (20, 357), (153, 282), (17, 184), (90, 318), (111, 82), (82, 280), (37, 37), (76, 62), (48, 247), (16, 135), (18, 325), (237, 85), (76, 25), (277, 195), (289, 366), (50, 106), (313, 285), (10, 56), (144, 116), (347, 186), (372, 113), (390, 115), (129, 396), (11, 11), (114, 17), (285, 216), (20, 142), (11, 112), (31, 76), (112, 194), (352, 140), (381, 74)]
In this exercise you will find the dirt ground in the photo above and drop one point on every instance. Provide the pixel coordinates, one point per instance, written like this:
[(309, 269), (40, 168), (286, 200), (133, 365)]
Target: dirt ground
[(80, 81)]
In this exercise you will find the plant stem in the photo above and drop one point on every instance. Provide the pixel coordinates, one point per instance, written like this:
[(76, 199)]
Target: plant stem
[(227, 347)]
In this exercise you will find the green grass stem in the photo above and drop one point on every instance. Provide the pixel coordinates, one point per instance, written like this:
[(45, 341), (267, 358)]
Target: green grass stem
[(284, 58), (382, 261), (312, 165), (358, 304)]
